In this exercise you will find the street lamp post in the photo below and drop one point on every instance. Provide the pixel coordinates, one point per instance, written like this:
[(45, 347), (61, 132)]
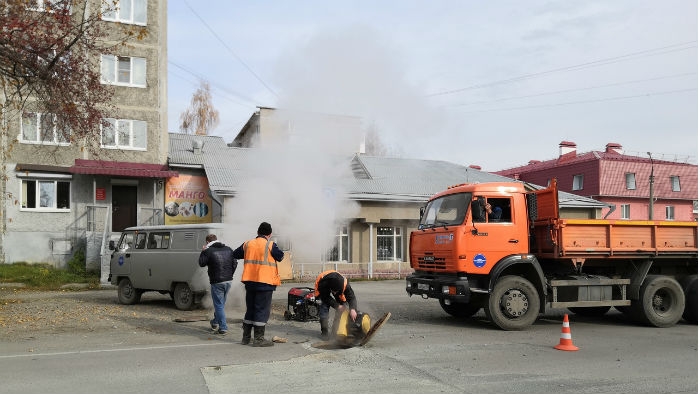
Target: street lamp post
[(651, 188)]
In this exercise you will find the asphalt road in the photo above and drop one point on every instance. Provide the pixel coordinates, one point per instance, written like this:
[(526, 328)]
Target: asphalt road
[(420, 350)]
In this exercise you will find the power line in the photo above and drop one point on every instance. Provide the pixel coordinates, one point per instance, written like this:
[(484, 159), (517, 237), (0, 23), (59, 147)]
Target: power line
[(576, 67), (230, 50), (585, 101), (215, 92), (215, 85), (572, 90)]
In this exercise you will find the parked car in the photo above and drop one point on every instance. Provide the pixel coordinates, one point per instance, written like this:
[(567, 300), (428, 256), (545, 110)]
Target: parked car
[(162, 259)]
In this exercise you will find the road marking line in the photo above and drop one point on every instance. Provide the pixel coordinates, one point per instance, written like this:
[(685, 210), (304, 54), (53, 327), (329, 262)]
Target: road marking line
[(114, 350)]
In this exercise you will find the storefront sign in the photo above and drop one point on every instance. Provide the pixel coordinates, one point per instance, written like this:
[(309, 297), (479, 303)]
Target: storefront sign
[(187, 200)]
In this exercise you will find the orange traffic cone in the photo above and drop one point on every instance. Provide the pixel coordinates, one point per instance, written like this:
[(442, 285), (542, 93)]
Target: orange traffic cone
[(565, 341)]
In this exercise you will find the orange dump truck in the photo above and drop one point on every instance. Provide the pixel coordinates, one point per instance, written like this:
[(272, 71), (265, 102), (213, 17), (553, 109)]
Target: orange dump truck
[(499, 247)]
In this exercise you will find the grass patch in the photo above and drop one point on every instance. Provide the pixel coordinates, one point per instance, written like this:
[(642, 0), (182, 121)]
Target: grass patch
[(44, 276)]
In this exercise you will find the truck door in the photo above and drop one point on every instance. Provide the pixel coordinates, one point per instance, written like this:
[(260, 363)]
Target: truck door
[(496, 232)]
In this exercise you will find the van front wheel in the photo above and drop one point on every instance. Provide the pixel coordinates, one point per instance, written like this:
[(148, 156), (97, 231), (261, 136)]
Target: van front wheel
[(127, 293), (183, 297)]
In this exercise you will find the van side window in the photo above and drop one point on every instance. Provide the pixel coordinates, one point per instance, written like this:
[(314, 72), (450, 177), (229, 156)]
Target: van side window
[(141, 241), (127, 241), (158, 240), (500, 210)]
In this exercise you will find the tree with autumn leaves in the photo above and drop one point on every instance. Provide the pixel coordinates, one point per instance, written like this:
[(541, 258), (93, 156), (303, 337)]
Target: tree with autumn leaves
[(49, 63)]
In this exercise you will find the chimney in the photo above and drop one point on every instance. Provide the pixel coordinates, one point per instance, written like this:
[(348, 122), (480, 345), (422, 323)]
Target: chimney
[(197, 147), (566, 147), (475, 167), (612, 147)]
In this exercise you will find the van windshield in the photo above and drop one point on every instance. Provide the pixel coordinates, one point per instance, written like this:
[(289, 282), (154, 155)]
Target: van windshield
[(449, 210)]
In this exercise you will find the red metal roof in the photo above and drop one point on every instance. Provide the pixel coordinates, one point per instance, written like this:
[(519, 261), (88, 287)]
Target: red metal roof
[(120, 168)]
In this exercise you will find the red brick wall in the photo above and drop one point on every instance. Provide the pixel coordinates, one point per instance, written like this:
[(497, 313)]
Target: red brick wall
[(639, 208)]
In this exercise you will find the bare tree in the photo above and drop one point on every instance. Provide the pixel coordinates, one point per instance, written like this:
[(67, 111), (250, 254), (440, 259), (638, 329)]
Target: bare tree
[(201, 116)]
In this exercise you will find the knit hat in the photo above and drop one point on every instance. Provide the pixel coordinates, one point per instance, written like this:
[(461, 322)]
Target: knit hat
[(264, 229)]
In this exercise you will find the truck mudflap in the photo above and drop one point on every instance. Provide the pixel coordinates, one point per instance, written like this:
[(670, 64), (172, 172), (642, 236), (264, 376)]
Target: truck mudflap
[(452, 288)]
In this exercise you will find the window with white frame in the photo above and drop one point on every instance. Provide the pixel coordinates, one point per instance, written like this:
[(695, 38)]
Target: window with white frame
[(389, 244), (125, 11), (50, 5), (578, 182), (341, 246), (124, 134), (123, 71), (675, 183), (42, 128), (47, 195), (670, 212), (625, 211), (630, 181)]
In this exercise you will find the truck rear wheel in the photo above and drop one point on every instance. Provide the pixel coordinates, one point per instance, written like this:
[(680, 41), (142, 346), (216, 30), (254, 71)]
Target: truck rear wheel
[(127, 293), (514, 303), (590, 311), (183, 297), (661, 301), (461, 309)]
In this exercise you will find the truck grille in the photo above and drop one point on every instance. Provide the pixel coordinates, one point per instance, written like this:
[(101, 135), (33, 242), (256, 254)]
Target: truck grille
[(430, 262)]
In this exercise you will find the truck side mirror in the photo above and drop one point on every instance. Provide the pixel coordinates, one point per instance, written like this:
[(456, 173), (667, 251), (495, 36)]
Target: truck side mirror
[(478, 210), (422, 212), (111, 245)]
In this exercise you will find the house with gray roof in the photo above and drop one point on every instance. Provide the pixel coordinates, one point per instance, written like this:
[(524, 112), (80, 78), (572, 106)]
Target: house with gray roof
[(388, 191)]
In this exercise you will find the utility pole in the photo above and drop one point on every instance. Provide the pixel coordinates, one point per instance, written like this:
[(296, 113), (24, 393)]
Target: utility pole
[(651, 188)]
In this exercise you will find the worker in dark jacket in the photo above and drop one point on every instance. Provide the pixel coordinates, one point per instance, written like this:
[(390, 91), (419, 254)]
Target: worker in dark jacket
[(218, 258), (335, 292), (261, 278)]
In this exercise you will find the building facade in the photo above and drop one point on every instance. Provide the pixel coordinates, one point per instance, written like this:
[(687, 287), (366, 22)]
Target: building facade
[(66, 197), (619, 180)]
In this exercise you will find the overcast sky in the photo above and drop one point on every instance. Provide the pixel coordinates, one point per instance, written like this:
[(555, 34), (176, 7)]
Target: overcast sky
[(472, 82)]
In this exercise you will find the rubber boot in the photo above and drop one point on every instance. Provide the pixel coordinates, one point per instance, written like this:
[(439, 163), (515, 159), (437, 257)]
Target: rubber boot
[(259, 337), (324, 329), (247, 328)]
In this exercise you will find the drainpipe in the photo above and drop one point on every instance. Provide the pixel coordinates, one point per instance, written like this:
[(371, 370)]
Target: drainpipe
[(371, 244), (651, 189)]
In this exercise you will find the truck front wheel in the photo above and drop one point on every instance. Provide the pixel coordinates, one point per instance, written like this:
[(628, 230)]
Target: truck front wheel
[(514, 303), (661, 301), (461, 309)]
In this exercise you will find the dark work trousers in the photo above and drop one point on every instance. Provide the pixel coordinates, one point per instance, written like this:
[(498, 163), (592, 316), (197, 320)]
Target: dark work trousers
[(258, 304)]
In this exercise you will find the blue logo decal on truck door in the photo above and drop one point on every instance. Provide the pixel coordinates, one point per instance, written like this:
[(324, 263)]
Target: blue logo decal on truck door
[(479, 260), (121, 260)]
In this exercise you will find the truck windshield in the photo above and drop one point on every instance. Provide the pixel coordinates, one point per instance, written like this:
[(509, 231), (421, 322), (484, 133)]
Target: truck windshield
[(448, 210)]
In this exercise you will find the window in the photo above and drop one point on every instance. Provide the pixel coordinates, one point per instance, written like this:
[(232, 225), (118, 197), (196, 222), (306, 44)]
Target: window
[(389, 244), (500, 210), (630, 181), (625, 211), (448, 210), (695, 206), (50, 5), (670, 214), (123, 71), (127, 241), (158, 240), (125, 11), (675, 183), (45, 195), (141, 241), (38, 128), (124, 134), (340, 249), (578, 182)]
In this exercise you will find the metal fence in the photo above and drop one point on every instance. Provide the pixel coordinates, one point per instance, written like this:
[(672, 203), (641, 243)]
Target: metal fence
[(375, 270)]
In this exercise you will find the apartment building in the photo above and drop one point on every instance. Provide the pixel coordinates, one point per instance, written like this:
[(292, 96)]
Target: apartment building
[(65, 197)]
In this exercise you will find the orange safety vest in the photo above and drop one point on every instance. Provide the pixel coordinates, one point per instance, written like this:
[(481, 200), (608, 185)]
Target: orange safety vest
[(342, 293), (258, 263)]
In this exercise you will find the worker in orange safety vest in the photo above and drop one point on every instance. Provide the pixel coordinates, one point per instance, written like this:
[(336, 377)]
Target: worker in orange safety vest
[(335, 292)]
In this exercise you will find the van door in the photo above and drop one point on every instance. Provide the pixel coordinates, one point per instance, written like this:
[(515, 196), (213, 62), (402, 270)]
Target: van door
[(495, 234), (120, 265), (183, 259), (155, 260)]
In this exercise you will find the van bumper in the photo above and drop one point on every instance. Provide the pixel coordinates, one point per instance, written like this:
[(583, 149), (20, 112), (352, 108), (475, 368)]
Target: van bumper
[(454, 288)]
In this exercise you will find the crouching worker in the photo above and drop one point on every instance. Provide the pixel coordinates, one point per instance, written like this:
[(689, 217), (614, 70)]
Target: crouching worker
[(261, 278), (335, 292)]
